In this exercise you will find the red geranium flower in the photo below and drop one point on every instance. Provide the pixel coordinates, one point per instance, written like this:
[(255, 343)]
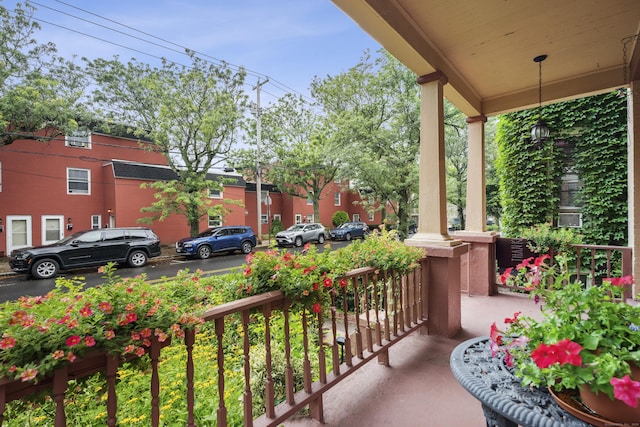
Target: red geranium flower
[(317, 308)]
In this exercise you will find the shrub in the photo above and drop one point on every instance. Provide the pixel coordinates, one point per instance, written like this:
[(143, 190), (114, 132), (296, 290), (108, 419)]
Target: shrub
[(339, 218)]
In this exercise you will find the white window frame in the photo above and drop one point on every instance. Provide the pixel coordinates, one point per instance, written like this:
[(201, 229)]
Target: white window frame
[(214, 221), (337, 199), (96, 221), (78, 139), (310, 218), (9, 231), (215, 194), (88, 171), (264, 219), (568, 215), (356, 217), (309, 201), (277, 217), (372, 216), (298, 218), (45, 219)]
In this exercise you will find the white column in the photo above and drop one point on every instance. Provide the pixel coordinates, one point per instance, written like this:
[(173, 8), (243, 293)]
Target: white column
[(476, 211), (432, 201)]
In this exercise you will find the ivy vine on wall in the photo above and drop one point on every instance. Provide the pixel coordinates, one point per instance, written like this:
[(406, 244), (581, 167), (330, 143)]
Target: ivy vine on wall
[(530, 175)]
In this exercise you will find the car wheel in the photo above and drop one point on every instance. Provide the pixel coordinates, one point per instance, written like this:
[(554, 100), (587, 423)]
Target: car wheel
[(298, 242), (246, 247), (347, 236), (44, 269), (137, 258), (204, 252), (321, 239)]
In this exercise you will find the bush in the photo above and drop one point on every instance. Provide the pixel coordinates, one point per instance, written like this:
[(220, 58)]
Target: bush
[(276, 226), (339, 218)]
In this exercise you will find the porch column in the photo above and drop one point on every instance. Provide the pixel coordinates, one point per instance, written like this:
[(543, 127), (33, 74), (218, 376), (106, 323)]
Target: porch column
[(479, 265), (634, 179), (443, 251)]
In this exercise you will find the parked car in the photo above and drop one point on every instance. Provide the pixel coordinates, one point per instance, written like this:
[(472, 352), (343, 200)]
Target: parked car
[(87, 248), (299, 234), (226, 238), (349, 230)]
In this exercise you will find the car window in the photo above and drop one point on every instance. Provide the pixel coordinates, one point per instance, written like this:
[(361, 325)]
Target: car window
[(139, 234), (209, 232), (296, 227), (113, 235), (90, 237)]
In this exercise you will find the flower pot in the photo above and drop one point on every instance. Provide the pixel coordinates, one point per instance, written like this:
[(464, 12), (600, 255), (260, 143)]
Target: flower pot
[(613, 410)]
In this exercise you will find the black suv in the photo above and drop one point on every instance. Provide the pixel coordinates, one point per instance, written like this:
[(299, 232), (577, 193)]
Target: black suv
[(87, 248)]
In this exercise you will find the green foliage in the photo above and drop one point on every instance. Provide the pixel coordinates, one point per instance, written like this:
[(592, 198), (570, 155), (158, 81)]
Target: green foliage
[(193, 114), (276, 226), (544, 239), (339, 218), (530, 176)]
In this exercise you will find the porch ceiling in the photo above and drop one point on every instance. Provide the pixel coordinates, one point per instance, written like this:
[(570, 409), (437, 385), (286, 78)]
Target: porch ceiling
[(486, 48)]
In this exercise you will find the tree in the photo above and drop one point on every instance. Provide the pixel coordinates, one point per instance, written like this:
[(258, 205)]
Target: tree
[(192, 114), (41, 95), (373, 112), (297, 157), (456, 155)]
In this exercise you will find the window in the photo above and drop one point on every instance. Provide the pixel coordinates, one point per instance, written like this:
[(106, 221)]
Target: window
[(356, 217), (215, 194), (371, 217), (309, 201), (78, 138), (336, 199), (264, 219), (96, 221), (52, 228), (298, 219), (277, 217), (570, 220), (568, 191), (310, 218), (78, 181), (215, 221)]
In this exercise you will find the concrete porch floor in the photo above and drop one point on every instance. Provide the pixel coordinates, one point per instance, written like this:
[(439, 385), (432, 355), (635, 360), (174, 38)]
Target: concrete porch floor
[(419, 388)]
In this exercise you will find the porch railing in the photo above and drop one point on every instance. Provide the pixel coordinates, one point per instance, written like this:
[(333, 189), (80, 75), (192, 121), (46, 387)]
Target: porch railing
[(364, 320), (596, 262)]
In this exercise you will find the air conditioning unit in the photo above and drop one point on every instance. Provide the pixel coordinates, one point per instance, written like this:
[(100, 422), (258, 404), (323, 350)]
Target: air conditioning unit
[(570, 220), (74, 142)]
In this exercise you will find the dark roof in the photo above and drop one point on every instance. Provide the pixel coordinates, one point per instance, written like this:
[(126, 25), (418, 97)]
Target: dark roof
[(129, 170), (251, 186)]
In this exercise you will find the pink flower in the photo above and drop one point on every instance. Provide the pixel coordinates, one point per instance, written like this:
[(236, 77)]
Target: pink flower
[(327, 283), (105, 307), (7, 342), (247, 272), (71, 357), (58, 354), (86, 311), (131, 317), (505, 275), (109, 334), (627, 390), (145, 333), (89, 341), (140, 351), (513, 319), (28, 374), (620, 281), (544, 356), (343, 282), (73, 340)]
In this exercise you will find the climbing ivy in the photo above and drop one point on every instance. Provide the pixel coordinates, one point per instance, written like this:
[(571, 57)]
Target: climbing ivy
[(530, 176)]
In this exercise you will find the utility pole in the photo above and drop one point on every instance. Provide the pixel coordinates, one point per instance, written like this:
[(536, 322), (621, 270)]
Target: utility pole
[(258, 154)]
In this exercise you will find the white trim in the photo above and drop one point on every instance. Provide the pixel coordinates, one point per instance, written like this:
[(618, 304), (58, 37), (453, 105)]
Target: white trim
[(43, 228), (98, 219), (78, 139), (28, 231), (88, 192)]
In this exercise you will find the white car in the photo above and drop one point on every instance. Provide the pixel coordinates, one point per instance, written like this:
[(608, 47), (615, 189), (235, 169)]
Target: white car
[(299, 234)]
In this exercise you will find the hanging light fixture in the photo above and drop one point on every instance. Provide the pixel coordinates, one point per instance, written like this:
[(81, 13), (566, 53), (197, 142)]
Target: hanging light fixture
[(540, 131)]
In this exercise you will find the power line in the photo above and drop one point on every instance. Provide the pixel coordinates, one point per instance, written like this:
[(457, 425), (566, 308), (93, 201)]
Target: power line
[(184, 49)]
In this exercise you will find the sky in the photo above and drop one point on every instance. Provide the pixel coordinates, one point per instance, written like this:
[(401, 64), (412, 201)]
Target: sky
[(289, 41)]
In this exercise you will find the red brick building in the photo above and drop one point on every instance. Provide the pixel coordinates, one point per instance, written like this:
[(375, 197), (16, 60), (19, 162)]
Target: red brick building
[(48, 190)]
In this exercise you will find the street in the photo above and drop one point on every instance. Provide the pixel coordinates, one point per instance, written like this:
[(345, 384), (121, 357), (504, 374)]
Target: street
[(14, 286)]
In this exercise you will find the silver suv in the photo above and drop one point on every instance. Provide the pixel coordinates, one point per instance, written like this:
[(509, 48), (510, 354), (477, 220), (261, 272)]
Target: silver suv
[(299, 234)]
